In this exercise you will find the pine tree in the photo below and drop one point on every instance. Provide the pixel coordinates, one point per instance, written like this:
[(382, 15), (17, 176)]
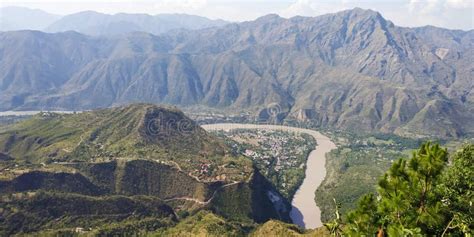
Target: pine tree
[(425, 170), (458, 193), (365, 219), (407, 203)]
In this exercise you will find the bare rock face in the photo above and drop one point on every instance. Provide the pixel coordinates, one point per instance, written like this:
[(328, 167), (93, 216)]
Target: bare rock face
[(350, 70)]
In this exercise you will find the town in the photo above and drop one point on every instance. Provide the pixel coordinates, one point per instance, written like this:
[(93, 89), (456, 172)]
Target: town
[(280, 155)]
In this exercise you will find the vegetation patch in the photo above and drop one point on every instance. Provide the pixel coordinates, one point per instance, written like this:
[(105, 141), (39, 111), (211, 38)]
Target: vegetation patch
[(354, 167)]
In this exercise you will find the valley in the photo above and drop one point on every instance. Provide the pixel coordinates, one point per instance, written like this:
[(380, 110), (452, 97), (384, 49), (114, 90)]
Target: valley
[(345, 172), (304, 211), (211, 177), (284, 119), (281, 156)]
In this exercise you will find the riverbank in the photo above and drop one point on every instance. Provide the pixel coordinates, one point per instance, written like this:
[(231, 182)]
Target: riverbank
[(304, 211)]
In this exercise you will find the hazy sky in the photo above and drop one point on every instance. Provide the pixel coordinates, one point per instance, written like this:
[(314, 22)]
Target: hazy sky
[(456, 14)]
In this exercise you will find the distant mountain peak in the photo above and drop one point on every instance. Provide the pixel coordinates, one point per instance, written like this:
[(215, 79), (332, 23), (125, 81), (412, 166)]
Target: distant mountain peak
[(13, 18), (363, 11), (88, 12), (269, 17), (359, 13)]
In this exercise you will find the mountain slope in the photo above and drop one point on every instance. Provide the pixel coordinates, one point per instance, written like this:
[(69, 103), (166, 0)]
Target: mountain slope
[(35, 211), (351, 70)]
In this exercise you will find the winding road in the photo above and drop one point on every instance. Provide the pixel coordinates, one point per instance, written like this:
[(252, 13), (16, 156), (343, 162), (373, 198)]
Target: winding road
[(199, 201), (304, 212)]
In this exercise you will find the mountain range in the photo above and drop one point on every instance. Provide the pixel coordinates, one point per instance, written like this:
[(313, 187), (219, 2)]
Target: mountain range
[(351, 70), (95, 23)]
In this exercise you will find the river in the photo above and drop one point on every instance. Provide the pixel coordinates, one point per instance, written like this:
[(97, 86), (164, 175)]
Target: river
[(304, 212)]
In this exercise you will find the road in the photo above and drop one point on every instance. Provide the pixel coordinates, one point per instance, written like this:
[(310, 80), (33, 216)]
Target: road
[(199, 201)]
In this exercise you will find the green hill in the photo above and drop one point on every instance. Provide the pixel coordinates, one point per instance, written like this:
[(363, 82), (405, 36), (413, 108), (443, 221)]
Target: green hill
[(141, 130), (100, 170)]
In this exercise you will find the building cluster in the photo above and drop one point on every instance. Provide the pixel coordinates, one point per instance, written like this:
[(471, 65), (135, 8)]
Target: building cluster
[(278, 150)]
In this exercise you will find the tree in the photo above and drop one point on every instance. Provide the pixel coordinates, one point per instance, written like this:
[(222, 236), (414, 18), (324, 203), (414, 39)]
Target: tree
[(334, 226), (365, 219), (423, 196), (425, 169), (458, 192), (407, 202)]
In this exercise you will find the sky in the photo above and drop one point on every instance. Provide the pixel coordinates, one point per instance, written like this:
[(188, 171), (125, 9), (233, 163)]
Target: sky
[(453, 14)]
